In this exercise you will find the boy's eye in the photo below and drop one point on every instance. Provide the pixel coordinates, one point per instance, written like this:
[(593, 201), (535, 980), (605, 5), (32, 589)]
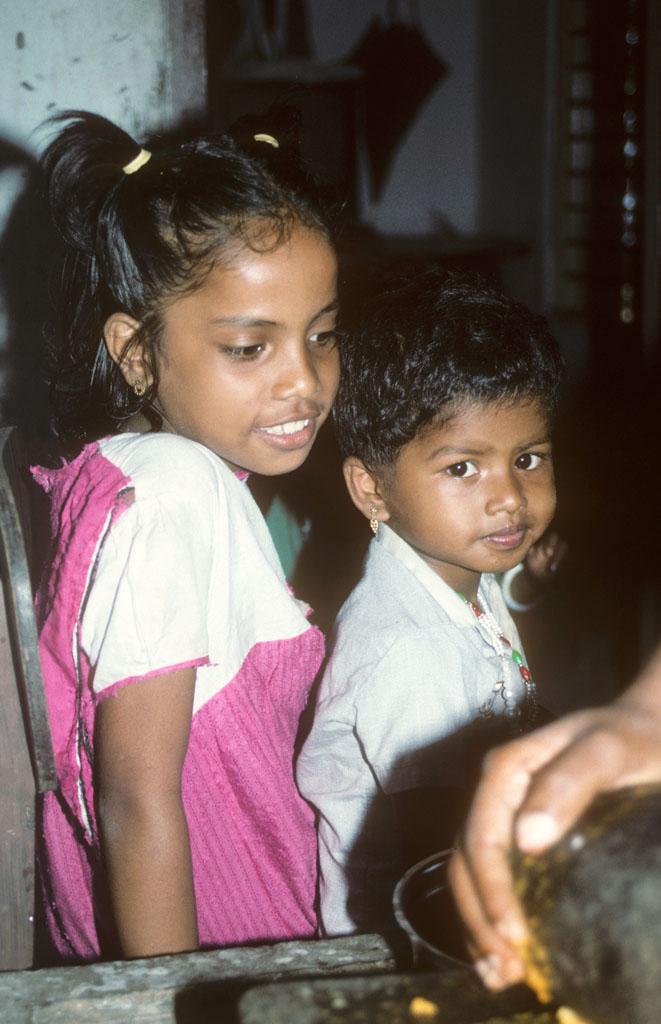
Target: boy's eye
[(325, 339), (243, 351), (462, 469), (529, 460)]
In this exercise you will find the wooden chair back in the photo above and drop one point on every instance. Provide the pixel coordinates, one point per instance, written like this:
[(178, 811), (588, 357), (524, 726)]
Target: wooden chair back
[(26, 756)]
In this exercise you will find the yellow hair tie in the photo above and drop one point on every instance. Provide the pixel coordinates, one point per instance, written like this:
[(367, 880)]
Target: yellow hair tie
[(137, 162), (263, 137)]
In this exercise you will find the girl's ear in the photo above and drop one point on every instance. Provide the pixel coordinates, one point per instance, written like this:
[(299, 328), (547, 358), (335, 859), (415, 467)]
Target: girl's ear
[(119, 331), (365, 489)]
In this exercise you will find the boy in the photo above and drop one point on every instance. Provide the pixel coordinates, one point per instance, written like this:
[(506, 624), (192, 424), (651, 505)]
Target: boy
[(446, 403)]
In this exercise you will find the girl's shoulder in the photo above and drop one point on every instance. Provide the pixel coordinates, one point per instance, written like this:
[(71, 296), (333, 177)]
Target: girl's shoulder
[(157, 464), (145, 479)]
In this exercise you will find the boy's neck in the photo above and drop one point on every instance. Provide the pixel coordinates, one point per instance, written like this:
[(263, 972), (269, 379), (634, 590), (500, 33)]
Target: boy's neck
[(471, 592), (463, 581)]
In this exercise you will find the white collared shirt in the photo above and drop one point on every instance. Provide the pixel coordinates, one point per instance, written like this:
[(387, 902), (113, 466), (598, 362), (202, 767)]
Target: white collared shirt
[(408, 673)]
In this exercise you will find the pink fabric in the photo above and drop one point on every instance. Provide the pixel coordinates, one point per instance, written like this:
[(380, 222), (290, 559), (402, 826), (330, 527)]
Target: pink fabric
[(252, 836), (83, 495), (253, 840)]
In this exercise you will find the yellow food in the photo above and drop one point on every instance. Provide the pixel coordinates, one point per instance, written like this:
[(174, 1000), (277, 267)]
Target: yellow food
[(537, 968), (567, 1016), (423, 1009), (532, 952)]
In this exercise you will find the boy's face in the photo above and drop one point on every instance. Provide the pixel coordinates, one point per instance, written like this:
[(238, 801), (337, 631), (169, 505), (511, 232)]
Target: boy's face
[(472, 494)]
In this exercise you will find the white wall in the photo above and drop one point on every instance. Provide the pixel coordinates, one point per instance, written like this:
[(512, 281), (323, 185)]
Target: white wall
[(434, 176), (142, 63), (113, 57)]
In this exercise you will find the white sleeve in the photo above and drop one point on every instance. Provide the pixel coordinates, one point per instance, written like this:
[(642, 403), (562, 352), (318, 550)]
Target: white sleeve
[(147, 603), (413, 715)]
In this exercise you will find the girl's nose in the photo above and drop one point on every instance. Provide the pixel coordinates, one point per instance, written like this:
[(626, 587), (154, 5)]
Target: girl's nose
[(297, 375)]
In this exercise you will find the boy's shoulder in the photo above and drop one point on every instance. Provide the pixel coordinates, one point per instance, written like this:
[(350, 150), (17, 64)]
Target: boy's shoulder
[(389, 609), (387, 593)]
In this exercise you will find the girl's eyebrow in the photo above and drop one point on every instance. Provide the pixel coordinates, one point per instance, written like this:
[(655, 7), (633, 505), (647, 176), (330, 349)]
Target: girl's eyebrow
[(242, 321), (248, 321), (332, 307)]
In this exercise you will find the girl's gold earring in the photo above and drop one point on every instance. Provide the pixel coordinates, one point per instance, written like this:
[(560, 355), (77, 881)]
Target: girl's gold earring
[(374, 522), (140, 387)]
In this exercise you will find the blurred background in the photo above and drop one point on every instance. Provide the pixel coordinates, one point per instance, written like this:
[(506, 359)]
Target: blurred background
[(518, 138)]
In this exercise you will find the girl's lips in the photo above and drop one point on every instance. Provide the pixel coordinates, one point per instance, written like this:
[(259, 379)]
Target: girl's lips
[(286, 441)]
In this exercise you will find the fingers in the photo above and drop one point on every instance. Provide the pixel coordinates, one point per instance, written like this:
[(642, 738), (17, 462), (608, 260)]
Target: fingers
[(546, 556), (494, 959), (558, 555), (480, 872), (530, 794), (559, 794), (609, 750)]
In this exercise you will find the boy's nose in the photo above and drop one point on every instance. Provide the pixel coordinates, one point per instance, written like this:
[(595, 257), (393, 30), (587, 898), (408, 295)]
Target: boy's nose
[(507, 495)]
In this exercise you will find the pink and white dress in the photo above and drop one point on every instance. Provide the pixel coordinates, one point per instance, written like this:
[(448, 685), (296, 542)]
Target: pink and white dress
[(162, 560)]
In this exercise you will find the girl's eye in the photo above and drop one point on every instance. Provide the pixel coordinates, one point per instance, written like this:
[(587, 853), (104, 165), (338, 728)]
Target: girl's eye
[(243, 351), (325, 339), (462, 469), (529, 460)]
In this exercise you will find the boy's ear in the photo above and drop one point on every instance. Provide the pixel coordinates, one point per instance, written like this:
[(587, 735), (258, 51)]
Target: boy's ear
[(118, 332), (365, 489)]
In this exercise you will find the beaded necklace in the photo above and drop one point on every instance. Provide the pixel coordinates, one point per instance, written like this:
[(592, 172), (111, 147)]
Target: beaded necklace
[(520, 718)]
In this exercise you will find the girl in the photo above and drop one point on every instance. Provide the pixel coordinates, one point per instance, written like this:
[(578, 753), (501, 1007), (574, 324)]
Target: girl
[(198, 346)]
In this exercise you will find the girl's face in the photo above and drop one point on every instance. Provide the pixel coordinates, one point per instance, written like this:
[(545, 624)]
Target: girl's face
[(474, 493), (248, 363)]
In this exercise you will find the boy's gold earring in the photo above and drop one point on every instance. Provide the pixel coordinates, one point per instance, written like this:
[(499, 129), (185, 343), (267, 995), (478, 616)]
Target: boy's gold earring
[(374, 522), (140, 387)]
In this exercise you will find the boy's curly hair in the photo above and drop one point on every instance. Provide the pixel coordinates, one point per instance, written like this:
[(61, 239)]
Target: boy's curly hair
[(429, 341)]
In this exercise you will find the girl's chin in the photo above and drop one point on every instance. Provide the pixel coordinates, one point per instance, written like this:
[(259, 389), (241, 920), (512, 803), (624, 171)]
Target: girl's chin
[(275, 463)]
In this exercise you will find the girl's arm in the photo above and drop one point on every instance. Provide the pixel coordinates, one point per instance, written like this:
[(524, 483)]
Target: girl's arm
[(141, 741)]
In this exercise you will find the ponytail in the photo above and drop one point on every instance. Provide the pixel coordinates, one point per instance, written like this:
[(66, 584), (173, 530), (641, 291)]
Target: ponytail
[(143, 223)]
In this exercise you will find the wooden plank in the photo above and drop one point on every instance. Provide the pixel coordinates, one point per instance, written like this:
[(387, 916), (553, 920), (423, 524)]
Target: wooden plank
[(17, 804), (20, 612), (454, 995), (191, 987), (26, 755)]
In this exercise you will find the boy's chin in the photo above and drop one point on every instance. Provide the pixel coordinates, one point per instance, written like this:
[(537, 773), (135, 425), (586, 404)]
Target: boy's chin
[(502, 561)]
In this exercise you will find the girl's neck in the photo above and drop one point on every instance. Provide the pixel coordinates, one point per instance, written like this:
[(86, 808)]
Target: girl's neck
[(148, 421)]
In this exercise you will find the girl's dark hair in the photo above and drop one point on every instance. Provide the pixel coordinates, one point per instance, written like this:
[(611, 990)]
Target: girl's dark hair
[(433, 340), (133, 240)]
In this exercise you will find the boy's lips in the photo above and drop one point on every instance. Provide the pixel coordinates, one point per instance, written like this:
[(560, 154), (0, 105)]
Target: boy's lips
[(508, 537)]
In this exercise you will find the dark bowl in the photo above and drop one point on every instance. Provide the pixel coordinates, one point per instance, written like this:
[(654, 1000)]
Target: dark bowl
[(425, 910)]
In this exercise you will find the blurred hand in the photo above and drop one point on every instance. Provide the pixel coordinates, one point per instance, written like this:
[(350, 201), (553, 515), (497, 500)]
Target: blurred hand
[(546, 556), (531, 791)]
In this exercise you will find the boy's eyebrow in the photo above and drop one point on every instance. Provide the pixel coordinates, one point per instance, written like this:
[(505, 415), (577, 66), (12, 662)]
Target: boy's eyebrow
[(248, 321), (535, 443), (453, 449)]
